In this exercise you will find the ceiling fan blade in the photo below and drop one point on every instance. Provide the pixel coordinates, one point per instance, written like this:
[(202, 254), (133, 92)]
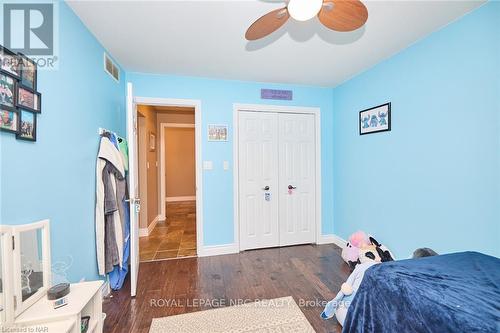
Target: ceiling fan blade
[(267, 24), (343, 15)]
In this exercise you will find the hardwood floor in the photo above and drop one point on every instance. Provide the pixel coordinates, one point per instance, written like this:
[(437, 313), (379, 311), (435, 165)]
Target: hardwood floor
[(312, 274), (173, 238)]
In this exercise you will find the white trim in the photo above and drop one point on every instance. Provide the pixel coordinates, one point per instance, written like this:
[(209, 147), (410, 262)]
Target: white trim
[(178, 125), (216, 250), (153, 224), (7, 266), (316, 111), (196, 104), (143, 232), (332, 239), (177, 199), (276, 108), (163, 190)]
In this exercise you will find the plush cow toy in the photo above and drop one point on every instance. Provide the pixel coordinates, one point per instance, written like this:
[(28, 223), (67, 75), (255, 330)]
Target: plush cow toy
[(368, 256), (350, 253), (359, 240)]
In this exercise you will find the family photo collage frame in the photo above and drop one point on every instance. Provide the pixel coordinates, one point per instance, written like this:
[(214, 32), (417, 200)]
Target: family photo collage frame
[(19, 100)]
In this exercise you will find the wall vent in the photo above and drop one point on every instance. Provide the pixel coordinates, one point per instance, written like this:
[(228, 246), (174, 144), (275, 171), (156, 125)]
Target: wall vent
[(111, 68)]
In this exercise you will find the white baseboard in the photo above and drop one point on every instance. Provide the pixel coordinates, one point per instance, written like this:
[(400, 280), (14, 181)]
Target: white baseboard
[(152, 225), (332, 239), (143, 232), (216, 250), (175, 199)]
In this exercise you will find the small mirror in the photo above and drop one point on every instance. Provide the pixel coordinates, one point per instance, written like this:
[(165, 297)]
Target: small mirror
[(31, 264)]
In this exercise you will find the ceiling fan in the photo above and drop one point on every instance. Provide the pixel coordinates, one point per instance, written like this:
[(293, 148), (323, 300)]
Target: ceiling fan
[(338, 15)]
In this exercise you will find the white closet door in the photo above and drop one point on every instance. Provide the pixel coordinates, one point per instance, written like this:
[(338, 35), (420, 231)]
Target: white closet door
[(258, 168), (297, 169)]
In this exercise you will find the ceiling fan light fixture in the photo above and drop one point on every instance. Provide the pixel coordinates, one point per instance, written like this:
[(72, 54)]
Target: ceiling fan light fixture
[(303, 10)]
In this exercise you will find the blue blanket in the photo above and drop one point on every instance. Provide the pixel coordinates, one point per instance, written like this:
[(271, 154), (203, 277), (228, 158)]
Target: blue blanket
[(457, 292)]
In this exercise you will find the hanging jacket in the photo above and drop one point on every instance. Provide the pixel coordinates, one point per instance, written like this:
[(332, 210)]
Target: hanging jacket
[(108, 153), (117, 276), (114, 197)]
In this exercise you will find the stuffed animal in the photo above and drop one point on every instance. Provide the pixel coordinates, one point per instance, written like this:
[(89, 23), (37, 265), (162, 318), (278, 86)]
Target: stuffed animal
[(350, 253), (424, 252), (358, 241), (383, 251), (340, 304)]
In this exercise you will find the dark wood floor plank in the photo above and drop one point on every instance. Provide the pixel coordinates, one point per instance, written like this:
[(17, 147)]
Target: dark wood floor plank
[(311, 274)]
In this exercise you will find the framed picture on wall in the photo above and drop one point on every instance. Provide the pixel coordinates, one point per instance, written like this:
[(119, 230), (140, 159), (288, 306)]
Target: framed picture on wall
[(27, 126), (217, 133), (376, 119), (9, 62), (152, 141), (28, 72), (9, 121), (7, 91), (28, 99)]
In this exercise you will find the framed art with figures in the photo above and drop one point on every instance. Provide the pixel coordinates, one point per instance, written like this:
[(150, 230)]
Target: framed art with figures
[(28, 99), (9, 120), (375, 119), (27, 126), (7, 91), (9, 62), (28, 73)]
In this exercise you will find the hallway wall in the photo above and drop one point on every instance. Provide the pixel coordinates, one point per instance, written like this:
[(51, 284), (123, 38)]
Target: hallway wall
[(180, 178)]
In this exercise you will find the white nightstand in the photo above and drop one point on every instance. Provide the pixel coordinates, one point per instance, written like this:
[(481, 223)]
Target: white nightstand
[(84, 299)]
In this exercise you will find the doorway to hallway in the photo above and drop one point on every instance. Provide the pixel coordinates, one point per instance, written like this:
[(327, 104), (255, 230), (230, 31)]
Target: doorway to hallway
[(167, 182)]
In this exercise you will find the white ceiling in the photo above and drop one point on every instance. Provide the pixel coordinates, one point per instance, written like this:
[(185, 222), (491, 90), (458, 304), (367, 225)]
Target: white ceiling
[(206, 38)]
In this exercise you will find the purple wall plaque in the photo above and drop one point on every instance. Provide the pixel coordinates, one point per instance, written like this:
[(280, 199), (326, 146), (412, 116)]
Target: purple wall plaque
[(286, 95)]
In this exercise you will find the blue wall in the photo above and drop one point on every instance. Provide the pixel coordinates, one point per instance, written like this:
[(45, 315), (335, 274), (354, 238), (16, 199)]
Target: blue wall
[(434, 180), (55, 177), (217, 98)]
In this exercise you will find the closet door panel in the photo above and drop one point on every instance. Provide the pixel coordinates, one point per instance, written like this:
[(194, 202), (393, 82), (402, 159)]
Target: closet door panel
[(297, 217), (258, 168)]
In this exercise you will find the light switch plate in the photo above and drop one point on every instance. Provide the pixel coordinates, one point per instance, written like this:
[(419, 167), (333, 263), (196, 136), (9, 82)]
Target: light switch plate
[(207, 165), (225, 165)]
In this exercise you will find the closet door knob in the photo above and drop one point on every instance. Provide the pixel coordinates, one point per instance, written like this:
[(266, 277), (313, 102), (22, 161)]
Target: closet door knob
[(266, 188), (290, 187)]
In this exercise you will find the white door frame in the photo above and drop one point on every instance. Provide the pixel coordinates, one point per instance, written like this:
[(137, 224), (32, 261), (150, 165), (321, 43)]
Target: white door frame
[(163, 187), (316, 111), (196, 104)]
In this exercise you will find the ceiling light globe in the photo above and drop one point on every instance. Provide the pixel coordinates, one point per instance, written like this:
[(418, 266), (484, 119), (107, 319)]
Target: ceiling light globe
[(303, 10)]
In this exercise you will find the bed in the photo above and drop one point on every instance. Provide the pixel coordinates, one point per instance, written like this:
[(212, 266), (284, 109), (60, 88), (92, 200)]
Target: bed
[(457, 292)]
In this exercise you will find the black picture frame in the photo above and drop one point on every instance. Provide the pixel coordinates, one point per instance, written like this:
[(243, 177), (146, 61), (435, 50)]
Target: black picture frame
[(15, 121), (365, 123), (9, 63), (37, 99), (3, 77), (24, 60), (21, 132)]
